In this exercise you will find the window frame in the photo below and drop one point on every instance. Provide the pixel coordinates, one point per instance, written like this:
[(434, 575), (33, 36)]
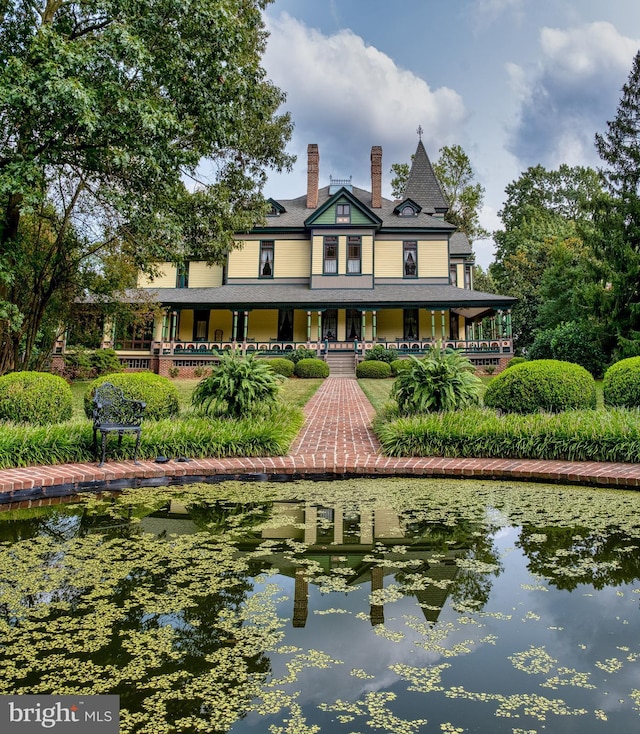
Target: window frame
[(343, 217), (265, 247), (182, 275), (329, 241), (407, 314), (453, 275), (408, 247), (354, 241)]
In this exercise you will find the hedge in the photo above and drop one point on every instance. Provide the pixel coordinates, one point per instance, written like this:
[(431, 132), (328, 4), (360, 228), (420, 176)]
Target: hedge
[(281, 366), (400, 364), (307, 368), (38, 398), (373, 370), (545, 384), (621, 384), (158, 392)]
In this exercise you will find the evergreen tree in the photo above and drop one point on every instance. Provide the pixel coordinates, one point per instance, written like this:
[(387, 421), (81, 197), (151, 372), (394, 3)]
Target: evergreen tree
[(617, 238)]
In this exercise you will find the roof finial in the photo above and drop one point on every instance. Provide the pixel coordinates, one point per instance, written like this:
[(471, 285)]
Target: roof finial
[(420, 131)]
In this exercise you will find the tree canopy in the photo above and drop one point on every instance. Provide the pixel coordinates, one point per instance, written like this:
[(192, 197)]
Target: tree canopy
[(107, 108), (617, 236)]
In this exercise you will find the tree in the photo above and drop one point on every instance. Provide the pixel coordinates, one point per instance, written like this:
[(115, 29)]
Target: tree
[(617, 238), (400, 172), (541, 255), (455, 174), (106, 108)]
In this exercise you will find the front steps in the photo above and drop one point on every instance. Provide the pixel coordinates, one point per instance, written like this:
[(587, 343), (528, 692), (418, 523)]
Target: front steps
[(341, 365)]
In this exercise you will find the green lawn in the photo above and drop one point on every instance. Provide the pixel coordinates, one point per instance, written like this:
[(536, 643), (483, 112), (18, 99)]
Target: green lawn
[(295, 391)]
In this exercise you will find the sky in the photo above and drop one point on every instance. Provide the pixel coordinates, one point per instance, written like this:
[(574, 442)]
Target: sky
[(516, 83)]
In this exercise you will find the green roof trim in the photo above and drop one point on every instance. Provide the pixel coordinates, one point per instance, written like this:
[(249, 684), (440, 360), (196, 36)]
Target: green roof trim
[(343, 194)]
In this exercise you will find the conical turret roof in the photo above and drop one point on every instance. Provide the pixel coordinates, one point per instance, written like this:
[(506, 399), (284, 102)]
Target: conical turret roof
[(422, 184)]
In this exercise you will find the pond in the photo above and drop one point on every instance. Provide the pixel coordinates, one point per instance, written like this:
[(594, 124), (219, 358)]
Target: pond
[(390, 605)]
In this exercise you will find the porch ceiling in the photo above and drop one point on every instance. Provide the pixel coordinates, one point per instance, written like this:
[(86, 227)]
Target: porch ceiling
[(271, 295)]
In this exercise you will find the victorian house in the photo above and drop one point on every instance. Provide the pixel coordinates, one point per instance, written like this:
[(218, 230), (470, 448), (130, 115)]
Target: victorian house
[(337, 270)]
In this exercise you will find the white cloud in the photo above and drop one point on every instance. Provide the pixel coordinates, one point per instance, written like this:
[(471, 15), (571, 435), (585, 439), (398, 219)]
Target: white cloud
[(347, 96), (571, 94)]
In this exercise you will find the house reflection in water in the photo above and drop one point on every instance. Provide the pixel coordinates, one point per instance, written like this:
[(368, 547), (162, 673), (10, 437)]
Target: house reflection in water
[(337, 538), (360, 544)]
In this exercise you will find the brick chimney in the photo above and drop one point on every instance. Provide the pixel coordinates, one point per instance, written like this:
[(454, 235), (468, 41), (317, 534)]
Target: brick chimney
[(313, 167), (376, 177)]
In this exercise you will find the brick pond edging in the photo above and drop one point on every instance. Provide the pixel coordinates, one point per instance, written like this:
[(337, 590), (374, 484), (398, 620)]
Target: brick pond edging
[(335, 441)]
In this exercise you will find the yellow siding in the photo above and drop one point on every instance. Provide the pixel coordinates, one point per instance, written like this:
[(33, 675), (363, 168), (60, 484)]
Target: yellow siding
[(342, 325), (292, 258), (388, 260), (202, 275), (220, 319), (263, 325), (367, 255), (460, 275), (342, 254), (316, 265), (244, 263), (390, 324), (186, 326), (433, 259), (426, 331), (166, 277), (300, 326)]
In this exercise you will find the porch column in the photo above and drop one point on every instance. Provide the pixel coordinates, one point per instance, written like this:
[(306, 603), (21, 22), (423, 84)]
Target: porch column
[(174, 325), (433, 324), (363, 336), (319, 326), (246, 326), (234, 328), (165, 326), (374, 326), (442, 325), (308, 326)]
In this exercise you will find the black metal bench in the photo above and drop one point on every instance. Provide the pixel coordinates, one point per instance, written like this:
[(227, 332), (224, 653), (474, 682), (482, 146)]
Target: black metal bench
[(113, 413)]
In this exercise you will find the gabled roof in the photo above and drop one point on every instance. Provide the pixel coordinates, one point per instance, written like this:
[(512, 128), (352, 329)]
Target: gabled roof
[(296, 213), (343, 193), (422, 184)]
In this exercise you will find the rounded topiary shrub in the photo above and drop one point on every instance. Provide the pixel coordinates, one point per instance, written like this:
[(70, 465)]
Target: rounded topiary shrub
[(373, 370), (380, 353), (312, 368), (34, 397), (514, 361), (158, 392), (544, 384), (281, 366), (398, 365), (621, 384)]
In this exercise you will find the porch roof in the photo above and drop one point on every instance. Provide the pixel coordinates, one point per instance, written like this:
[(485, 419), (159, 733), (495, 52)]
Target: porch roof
[(272, 295)]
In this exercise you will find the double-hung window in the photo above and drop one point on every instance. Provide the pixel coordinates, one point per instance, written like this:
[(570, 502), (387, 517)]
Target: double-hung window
[(266, 259), (330, 255), (410, 259), (354, 254), (182, 275)]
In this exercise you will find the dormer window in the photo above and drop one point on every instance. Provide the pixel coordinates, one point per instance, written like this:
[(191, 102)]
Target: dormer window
[(343, 213), (407, 211), (273, 212)]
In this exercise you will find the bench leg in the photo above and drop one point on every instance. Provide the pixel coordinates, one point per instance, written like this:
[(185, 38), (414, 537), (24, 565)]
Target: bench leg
[(104, 447), (135, 451)]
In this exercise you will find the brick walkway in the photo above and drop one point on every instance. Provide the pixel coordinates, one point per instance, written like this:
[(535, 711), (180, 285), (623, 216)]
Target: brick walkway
[(335, 440)]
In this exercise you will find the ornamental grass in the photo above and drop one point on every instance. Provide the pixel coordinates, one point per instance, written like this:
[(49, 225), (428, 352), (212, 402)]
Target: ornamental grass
[(587, 435), (268, 433)]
